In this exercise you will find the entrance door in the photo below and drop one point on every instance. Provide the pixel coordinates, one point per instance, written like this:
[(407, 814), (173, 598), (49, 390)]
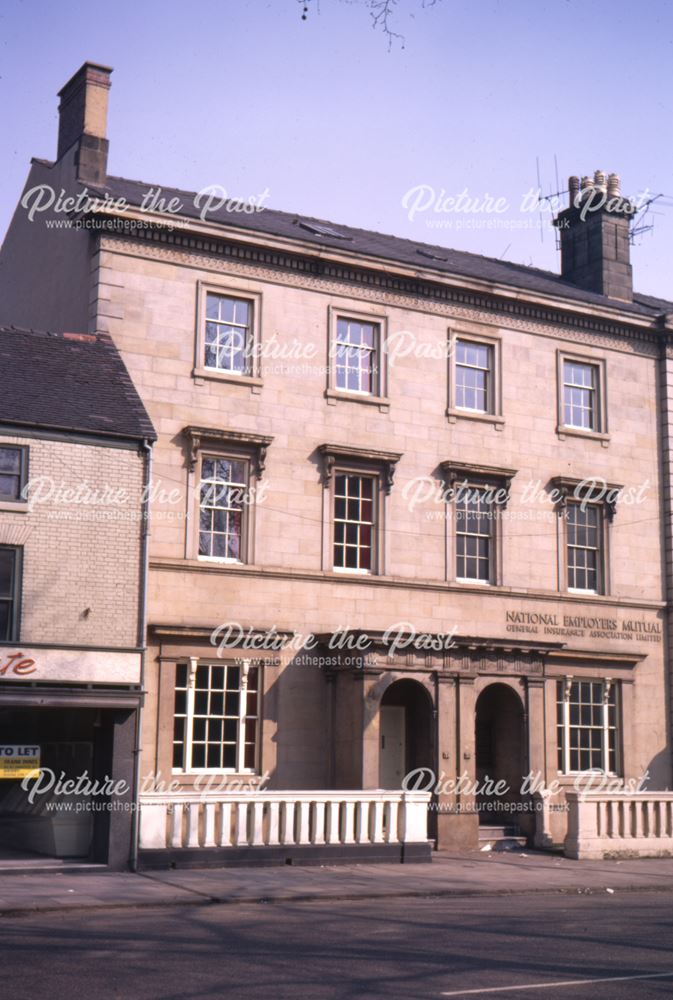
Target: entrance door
[(499, 738), (392, 749)]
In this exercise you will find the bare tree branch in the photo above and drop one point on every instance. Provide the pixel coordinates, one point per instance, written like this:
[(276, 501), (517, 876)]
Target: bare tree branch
[(382, 13)]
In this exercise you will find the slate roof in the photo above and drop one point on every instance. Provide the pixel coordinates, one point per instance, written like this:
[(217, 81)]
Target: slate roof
[(429, 257), (69, 382)]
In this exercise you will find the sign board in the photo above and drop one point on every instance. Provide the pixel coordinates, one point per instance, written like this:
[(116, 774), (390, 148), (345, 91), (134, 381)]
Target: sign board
[(20, 761), (21, 663), (554, 626)]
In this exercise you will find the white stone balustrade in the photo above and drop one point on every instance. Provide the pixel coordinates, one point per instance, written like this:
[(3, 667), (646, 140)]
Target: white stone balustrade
[(619, 824), (277, 819)]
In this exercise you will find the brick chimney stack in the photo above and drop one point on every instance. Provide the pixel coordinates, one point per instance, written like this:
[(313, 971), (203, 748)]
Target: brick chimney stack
[(83, 121), (594, 234)]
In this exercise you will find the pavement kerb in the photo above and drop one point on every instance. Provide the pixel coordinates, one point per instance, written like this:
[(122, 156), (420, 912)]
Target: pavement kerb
[(203, 900)]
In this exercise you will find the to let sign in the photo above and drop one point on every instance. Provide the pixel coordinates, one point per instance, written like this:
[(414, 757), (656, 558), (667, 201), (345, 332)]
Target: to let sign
[(21, 761)]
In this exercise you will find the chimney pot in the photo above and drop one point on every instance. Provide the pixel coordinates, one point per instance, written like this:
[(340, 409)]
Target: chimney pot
[(600, 179), (573, 188), (614, 189)]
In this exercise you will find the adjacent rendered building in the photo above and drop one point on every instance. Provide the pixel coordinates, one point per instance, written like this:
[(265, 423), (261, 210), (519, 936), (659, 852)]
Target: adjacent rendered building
[(75, 442)]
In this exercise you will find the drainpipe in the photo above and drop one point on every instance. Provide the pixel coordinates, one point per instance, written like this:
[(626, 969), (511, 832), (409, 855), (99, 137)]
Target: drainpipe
[(665, 365), (142, 630)]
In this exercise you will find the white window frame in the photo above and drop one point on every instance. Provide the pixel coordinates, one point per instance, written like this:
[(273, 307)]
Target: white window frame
[(244, 666), (207, 455), (488, 370), (608, 686), (495, 482), (599, 549), (470, 489), (252, 377), (598, 364), (379, 466), (379, 394), (238, 446), (239, 329), (493, 414), (591, 390), (373, 524)]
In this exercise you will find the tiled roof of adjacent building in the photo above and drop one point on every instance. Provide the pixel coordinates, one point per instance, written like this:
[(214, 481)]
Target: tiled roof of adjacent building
[(395, 249), (69, 382)]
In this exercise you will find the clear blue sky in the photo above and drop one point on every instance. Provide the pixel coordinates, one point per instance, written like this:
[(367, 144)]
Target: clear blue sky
[(245, 94)]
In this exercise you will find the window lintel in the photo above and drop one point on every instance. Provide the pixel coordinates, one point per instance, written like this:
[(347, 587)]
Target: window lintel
[(590, 490), (386, 461), (485, 476), (199, 438)]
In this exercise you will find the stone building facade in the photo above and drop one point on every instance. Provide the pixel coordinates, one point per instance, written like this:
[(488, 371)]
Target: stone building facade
[(408, 504)]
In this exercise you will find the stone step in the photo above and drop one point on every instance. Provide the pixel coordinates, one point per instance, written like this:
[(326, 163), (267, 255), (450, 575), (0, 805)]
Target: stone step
[(503, 844), (501, 838), (499, 832)]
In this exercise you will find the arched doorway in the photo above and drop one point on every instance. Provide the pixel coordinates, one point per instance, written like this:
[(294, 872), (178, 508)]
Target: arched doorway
[(499, 741), (406, 737)]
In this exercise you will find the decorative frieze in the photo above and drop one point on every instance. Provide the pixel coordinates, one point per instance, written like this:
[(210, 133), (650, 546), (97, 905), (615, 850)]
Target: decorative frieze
[(445, 300)]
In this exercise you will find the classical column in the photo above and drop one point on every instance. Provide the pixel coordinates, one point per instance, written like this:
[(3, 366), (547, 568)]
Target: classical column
[(536, 763), (447, 758), (535, 766), (467, 819), (371, 700)]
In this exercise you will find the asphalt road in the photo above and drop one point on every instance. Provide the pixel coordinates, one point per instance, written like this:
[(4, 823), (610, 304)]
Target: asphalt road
[(396, 948)]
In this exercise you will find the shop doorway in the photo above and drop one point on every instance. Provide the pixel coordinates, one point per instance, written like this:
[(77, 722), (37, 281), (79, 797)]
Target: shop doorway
[(499, 739), (51, 822)]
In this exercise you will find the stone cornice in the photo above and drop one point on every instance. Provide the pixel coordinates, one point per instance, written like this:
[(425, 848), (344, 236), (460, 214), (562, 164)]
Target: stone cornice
[(596, 657), (205, 632), (641, 342), (390, 276)]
